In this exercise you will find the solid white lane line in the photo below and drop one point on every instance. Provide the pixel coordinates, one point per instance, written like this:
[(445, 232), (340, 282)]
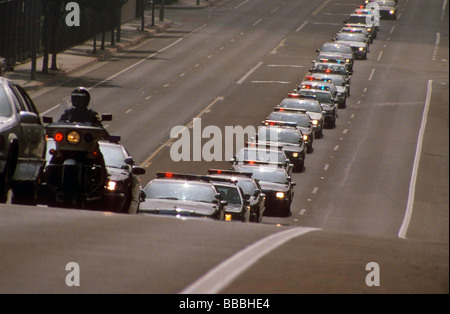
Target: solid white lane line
[(412, 185), (249, 73), (241, 4), (221, 276)]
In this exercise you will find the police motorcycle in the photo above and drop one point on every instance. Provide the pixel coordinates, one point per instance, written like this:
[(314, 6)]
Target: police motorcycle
[(75, 175)]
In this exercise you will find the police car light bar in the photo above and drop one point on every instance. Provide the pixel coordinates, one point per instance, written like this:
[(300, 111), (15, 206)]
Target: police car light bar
[(171, 175), (290, 109), (269, 163), (280, 123), (229, 172)]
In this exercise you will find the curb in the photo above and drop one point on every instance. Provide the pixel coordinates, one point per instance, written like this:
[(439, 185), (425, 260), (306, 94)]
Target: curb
[(107, 53)]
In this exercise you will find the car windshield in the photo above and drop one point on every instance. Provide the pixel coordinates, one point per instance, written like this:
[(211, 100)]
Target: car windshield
[(302, 120), (5, 107), (278, 135), (312, 106), (351, 37), (268, 174), (328, 67), (336, 48), (180, 190), (386, 3), (229, 194), (248, 186), (113, 155), (261, 155), (337, 79), (324, 98), (357, 19)]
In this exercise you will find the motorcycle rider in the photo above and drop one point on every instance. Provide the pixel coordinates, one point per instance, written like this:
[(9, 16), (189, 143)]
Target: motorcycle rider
[(79, 112)]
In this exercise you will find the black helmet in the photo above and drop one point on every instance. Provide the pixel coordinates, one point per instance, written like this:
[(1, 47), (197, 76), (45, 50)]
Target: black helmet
[(80, 98)]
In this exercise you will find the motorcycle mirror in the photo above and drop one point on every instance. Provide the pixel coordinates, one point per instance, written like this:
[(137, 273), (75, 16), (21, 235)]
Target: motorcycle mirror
[(106, 117)]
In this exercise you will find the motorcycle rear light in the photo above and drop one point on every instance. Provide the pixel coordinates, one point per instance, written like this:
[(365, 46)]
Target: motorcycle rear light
[(59, 137)]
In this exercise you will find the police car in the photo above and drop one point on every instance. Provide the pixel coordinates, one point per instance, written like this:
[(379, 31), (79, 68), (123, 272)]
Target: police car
[(288, 137), (276, 184), (341, 85), (251, 188), (183, 195), (237, 208)]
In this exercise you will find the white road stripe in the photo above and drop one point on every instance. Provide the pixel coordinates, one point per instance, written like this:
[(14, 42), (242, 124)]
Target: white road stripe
[(301, 27), (221, 276), (249, 73), (412, 184)]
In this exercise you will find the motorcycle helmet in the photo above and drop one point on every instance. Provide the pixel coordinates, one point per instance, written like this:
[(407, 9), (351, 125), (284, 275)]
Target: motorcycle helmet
[(80, 98)]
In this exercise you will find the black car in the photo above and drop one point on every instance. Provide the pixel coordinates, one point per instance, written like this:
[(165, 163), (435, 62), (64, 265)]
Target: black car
[(22, 144), (329, 106), (273, 154), (182, 195), (123, 191), (342, 85), (312, 107), (276, 184), (301, 118), (288, 137), (237, 208), (256, 198), (358, 42), (338, 49)]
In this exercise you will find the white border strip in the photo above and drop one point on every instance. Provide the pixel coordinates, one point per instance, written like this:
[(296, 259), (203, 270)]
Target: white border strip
[(222, 275), (412, 184)]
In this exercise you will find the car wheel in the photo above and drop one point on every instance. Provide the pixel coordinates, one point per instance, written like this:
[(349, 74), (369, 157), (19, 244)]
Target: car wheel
[(25, 193), (5, 179)]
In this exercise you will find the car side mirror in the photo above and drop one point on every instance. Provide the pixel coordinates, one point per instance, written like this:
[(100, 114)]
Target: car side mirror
[(247, 197), (106, 117), (28, 117), (223, 203), (138, 171), (142, 196), (317, 50), (129, 161)]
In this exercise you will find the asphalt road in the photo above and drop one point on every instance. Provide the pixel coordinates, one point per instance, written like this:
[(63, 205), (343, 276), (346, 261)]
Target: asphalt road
[(372, 190)]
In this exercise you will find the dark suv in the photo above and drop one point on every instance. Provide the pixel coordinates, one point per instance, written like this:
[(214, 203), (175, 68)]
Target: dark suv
[(22, 144)]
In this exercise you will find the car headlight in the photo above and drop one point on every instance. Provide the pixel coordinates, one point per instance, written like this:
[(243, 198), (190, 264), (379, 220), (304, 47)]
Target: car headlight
[(369, 29), (228, 217), (305, 137), (347, 60), (361, 49), (111, 185), (73, 137), (280, 195), (391, 12), (315, 122), (295, 155)]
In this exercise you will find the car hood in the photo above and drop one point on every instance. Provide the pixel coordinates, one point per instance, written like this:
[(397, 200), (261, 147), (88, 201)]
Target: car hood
[(267, 186), (353, 43), (340, 89), (235, 208), (306, 131), (177, 207), (343, 54), (116, 174), (315, 115)]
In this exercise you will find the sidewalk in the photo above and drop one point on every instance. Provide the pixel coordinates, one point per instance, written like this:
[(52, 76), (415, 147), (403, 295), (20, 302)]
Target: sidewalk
[(81, 56)]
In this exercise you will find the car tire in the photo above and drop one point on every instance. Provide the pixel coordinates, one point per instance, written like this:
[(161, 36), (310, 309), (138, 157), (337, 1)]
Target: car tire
[(5, 179), (25, 193)]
